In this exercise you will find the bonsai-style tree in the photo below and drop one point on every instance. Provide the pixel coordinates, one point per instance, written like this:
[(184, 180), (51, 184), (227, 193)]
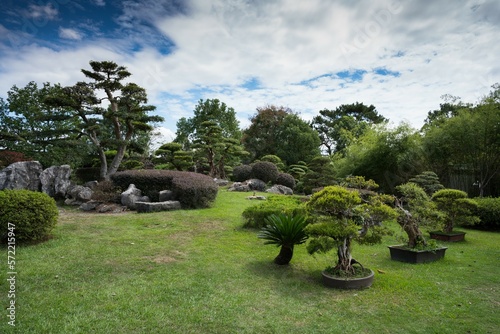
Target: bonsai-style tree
[(341, 216), (284, 231), (429, 181), (457, 208), (415, 209)]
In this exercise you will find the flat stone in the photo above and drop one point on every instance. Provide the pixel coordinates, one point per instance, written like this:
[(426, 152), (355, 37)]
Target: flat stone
[(144, 207)]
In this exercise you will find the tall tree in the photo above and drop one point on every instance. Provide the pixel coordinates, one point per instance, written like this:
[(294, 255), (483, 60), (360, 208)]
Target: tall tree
[(213, 132), (127, 113), (338, 128), (278, 131), (469, 141), (42, 132)]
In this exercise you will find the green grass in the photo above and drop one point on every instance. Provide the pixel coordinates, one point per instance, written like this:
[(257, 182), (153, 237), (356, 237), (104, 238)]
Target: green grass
[(198, 271)]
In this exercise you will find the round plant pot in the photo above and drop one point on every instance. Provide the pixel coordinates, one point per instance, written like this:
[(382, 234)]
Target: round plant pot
[(448, 237), (347, 283), (403, 254)]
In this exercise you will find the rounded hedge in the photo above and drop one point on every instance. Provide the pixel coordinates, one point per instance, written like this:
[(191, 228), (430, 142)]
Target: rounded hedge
[(265, 171), (192, 190), (32, 214), (242, 173), (286, 180)]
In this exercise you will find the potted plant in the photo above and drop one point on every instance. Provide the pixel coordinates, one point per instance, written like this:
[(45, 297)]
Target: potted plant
[(457, 209), (284, 231), (416, 210), (341, 216)]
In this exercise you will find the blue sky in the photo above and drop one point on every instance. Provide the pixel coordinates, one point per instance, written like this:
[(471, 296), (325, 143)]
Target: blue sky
[(400, 56)]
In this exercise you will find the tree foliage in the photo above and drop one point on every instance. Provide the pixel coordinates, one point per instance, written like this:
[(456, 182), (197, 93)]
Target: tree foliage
[(338, 128)]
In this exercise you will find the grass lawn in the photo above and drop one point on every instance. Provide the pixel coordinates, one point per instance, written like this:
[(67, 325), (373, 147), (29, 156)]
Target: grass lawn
[(198, 271)]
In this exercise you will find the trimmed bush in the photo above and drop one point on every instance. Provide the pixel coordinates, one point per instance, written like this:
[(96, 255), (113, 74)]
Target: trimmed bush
[(255, 216), (105, 191), (242, 173), (265, 171), (33, 214), (488, 210), (193, 190), (286, 180)]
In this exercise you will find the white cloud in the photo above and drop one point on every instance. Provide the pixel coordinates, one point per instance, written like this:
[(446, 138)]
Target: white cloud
[(41, 12), (442, 47), (68, 33)]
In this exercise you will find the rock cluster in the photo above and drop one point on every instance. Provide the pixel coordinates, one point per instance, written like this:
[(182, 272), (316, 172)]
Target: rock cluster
[(259, 185)]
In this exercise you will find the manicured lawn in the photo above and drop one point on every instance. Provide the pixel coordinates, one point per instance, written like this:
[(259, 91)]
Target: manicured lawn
[(198, 271)]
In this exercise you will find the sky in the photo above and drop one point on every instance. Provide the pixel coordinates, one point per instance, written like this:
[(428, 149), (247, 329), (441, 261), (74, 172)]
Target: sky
[(401, 56)]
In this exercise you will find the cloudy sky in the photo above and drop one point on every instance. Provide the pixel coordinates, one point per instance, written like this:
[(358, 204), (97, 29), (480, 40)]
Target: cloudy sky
[(400, 56)]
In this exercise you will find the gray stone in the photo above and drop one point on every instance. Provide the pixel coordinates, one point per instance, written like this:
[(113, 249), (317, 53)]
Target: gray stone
[(79, 193), (221, 182), (166, 195), (55, 180), (144, 207), (280, 189), (255, 197), (90, 205), (91, 184), (132, 195), (256, 184), (21, 175), (110, 208), (239, 186)]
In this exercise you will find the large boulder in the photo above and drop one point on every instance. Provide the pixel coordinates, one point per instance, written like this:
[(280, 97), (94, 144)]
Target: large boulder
[(21, 175), (280, 189), (55, 180), (77, 195), (239, 186), (144, 207), (166, 195), (132, 195), (256, 184)]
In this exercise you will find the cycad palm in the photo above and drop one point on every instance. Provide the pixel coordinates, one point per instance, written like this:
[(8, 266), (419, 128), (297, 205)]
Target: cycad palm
[(285, 231)]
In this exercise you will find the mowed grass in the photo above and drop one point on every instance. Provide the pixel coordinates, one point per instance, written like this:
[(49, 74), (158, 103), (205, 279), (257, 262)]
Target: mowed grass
[(199, 271)]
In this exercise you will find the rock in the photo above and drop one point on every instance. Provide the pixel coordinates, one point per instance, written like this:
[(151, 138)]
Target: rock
[(221, 182), (55, 180), (256, 184), (90, 205), (91, 184), (239, 186), (132, 195), (261, 198), (21, 175), (280, 189), (78, 195), (144, 207), (166, 195), (110, 208)]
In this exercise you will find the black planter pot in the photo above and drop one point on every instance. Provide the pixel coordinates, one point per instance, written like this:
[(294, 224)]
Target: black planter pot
[(449, 237), (347, 283), (403, 254)]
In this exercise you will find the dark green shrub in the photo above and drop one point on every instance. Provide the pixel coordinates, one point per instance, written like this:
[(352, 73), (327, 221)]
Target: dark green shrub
[(457, 208), (193, 190), (33, 214), (265, 171), (255, 216), (87, 174), (275, 160), (286, 180), (242, 173), (488, 210)]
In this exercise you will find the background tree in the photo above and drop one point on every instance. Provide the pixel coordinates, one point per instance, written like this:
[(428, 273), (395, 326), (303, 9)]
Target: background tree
[(468, 143), (213, 132), (42, 132), (338, 128), (278, 131), (127, 111), (173, 155)]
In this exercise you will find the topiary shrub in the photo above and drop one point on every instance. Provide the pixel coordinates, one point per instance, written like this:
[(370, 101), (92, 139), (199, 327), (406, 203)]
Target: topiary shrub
[(26, 215), (488, 210), (286, 180), (255, 216), (265, 171), (192, 190), (457, 208), (242, 173), (429, 181), (132, 164)]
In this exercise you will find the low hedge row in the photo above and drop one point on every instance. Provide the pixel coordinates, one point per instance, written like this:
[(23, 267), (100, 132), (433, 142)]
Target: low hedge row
[(192, 190), (254, 216), (26, 215)]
